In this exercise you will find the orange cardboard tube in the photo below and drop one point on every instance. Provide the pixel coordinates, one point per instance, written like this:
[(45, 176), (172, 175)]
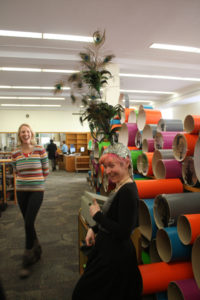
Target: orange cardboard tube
[(157, 276), (148, 189), (188, 227)]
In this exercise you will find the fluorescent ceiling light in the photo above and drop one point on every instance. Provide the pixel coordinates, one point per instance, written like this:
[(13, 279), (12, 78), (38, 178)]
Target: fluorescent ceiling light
[(20, 69), (37, 70), (49, 36), (59, 71), (159, 77), (67, 37), (33, 105), (175, 48), (139, 101), (31, 87), (147, 92), (35, 35), (31, 98)]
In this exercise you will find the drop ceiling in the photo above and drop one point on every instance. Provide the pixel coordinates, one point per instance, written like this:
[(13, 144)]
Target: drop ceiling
[(131, 27)]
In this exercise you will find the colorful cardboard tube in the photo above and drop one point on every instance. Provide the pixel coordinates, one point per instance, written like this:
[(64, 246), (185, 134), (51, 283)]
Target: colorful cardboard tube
[(196, 260), (153, 252), (138, 139), (145, 107), (186, 289), (127, 134), (188, 172), (134, 157), (116, 126), (148, 189), (146, 168), (188, 227), (148, 145), (168, 207), (147, 224), (168, 168), (161, 296), (184, 145), (164, 139), (170, 247), (148, 116), (132, 118), (192, 124), (144, 242), (149, 131), (139, 177), (161, 154), (140, 163), (157, 276), (197, 158), (170, 125), (125, 115)]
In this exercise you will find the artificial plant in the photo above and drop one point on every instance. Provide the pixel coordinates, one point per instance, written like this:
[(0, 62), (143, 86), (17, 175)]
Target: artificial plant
[(87, 85)]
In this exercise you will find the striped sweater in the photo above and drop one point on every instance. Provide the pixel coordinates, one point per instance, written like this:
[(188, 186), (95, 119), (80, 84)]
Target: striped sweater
[(30, 171)]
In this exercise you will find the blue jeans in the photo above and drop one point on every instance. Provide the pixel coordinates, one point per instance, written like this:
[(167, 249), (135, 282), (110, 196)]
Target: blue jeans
[(29, 203)]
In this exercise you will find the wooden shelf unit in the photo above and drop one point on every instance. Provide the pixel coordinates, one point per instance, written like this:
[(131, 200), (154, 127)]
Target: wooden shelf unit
[(8, 182), (78, 139), (82, 163)]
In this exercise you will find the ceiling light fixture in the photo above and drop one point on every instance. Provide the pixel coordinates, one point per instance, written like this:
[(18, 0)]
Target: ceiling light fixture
[(147, 92), (175, 48), (37, 70), (159, 77), (49, 36), (35, 35), (31, 98), (59, 71), (67, 37), (32, 105), (31, 87), (20, 69)]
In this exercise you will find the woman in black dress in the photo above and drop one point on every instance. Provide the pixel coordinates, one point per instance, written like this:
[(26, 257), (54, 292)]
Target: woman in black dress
[(112, 272)]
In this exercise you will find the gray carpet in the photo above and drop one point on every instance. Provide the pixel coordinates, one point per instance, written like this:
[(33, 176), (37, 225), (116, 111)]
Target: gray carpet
[(54, 276)]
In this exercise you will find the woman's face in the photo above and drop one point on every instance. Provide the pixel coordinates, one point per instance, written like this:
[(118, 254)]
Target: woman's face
[(116, 170), (25, 135)]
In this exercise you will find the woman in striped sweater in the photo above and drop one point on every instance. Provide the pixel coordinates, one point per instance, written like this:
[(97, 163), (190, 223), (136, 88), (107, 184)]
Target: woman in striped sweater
[(31, 166)]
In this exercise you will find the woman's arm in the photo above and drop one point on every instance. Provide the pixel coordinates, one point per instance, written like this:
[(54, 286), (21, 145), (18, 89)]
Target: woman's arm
[(44, 162)]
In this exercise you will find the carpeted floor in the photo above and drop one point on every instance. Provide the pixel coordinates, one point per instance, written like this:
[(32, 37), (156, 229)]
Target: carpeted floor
[(55, 275)]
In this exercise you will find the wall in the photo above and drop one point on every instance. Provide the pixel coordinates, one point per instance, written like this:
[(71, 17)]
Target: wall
[(181, 111), (42, 121), (64, 121)]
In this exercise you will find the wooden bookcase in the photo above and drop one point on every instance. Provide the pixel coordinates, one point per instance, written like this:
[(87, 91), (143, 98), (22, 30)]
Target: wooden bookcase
[(82, 163), (79, 140), (7, 183)]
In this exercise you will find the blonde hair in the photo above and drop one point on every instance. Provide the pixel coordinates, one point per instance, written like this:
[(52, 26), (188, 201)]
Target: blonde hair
[(33, 142)]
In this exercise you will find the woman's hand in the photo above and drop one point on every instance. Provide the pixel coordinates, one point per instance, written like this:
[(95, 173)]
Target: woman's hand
[(90, 237), (94, 207)]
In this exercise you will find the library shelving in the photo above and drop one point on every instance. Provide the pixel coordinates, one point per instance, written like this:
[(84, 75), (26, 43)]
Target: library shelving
[(79, 140), (8, 183), (82, 163)]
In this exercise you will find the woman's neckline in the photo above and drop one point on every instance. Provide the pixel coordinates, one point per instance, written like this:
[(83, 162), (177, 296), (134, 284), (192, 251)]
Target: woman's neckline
[(123, 182), (27, 151)]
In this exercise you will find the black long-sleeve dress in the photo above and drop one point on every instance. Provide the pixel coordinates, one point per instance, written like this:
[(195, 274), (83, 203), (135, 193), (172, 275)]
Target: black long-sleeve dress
[(112, 272)]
